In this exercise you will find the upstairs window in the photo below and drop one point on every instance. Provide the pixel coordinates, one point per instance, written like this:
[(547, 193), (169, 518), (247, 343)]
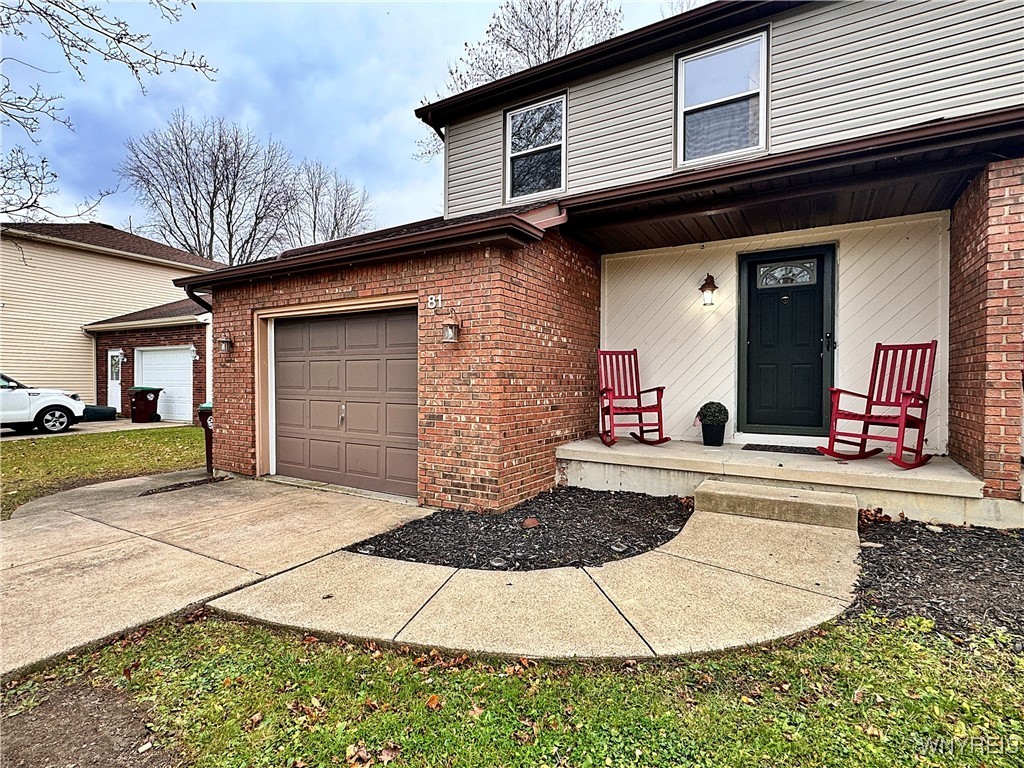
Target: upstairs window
[(722, 102), (535, 149)]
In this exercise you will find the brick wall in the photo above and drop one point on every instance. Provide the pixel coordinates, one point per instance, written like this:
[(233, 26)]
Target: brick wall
[(175, 336), (986, 313), (492, 408)]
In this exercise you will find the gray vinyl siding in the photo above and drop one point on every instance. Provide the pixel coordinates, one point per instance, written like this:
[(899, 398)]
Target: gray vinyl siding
[(836, 72)]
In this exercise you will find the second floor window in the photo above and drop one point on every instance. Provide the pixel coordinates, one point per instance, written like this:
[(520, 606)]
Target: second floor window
[(535, 149), (722, 100)]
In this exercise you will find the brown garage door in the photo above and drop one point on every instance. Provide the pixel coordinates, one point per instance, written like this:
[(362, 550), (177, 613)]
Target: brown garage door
[(346, 400)]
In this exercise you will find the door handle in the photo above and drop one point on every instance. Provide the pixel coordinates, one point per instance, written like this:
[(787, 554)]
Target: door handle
[(341, 415), (830, 343)]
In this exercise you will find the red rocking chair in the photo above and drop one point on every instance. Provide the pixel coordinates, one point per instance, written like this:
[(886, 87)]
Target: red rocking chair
[(901, 380), (622, 399)]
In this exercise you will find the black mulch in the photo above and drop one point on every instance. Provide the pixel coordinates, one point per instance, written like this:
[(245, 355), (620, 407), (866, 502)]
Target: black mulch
[(577, 527), (782, 449), (182, 486), (964, 579)]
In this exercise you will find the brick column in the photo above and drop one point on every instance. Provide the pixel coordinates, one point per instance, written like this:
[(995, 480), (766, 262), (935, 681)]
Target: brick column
[(986, 314)]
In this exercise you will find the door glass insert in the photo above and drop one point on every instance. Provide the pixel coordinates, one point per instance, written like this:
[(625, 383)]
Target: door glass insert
[(115, 368), (787, 273)]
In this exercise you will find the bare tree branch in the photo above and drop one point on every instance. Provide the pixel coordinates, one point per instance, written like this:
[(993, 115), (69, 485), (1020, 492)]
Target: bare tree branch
[(523, 34), (83, 32), (327, 206)]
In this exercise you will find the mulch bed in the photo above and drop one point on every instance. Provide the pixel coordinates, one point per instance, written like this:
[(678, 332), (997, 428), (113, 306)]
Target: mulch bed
[(77, 726), (964, 579), (576, 527), (182, 486)]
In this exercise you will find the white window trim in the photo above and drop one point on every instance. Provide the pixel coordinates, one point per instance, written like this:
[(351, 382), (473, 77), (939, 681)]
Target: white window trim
[(508, 149), (761, 92)]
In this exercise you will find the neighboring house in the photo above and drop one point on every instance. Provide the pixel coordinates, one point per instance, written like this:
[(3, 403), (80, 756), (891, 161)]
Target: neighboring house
[(60, 284), (870, 154)]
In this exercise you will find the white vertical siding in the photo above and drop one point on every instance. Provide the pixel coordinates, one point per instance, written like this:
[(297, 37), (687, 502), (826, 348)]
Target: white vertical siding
[(837, 71), (891, 282), (49, 292)]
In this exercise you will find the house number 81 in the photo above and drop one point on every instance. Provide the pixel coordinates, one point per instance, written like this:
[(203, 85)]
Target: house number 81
[(434, 301)]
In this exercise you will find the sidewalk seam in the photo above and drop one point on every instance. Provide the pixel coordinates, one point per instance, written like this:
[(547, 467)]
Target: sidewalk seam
[(751, 575), (618, 610), (425, 603)]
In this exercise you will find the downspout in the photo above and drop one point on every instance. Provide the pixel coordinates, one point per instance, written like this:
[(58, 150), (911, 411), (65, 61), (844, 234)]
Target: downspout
[(191, 293)]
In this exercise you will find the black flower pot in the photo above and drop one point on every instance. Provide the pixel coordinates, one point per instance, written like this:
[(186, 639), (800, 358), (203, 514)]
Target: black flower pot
[(714, 434)]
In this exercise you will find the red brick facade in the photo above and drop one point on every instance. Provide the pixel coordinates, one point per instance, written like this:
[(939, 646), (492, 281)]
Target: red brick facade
[(492, 407), (986, 322), (175, 336)]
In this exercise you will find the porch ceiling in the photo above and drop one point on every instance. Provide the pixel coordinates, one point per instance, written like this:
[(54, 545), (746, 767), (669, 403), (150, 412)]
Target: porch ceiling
[(763, 197)]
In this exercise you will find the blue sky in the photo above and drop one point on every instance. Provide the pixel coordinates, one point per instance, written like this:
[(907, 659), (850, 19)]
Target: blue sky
[(334, 81)]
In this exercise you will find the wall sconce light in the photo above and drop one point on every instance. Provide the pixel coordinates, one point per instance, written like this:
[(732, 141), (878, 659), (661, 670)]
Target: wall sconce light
[(192, 351), (226, 343), (708, 290), (450, 329), (121, 357)]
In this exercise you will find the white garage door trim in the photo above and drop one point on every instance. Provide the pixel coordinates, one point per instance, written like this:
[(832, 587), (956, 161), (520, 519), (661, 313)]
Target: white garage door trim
[(176, 400)]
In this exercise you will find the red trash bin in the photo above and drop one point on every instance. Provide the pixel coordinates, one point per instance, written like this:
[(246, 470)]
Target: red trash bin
[(144, 401)]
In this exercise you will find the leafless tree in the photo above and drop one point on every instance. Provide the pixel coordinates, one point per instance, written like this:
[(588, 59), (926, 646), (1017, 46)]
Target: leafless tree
[(84, 33), (211, 188), (523, 34), (676, 7), (326, 206)]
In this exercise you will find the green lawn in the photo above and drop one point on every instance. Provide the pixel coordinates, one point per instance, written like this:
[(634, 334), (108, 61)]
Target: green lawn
[(34, 468), (859, 693)]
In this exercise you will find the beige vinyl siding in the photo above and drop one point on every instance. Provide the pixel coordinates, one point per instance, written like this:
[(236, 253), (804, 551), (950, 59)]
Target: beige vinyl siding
[(649, 300), (853, 69), (49, 292), (474, 164), (836, 71)]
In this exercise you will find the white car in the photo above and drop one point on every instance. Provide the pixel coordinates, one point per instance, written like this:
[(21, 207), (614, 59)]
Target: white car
[(48, 410)]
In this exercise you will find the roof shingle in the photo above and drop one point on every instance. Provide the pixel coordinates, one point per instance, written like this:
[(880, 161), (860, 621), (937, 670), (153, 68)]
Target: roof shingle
[(181, 308), (106, 236)]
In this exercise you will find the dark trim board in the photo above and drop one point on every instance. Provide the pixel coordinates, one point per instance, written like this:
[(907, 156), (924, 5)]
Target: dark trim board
[(746, 261)]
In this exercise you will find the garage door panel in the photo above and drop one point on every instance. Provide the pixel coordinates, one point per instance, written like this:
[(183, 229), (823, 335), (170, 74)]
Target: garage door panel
[(362, 375), (365, 364), (324, 414), (291, 413), (325, 455), (401, 464), (400, 335), (291, 374), (324, 375), (363, 459), (290, 338), (401, 420), (401, 376), (362, 334), (291, 451), (324, 335), (363, 417), (170, 369)]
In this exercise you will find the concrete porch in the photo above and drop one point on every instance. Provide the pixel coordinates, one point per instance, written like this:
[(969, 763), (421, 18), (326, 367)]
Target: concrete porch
[(942, 491)]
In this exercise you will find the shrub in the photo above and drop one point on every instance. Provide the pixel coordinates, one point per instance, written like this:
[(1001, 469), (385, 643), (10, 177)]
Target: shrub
[(713, 413)]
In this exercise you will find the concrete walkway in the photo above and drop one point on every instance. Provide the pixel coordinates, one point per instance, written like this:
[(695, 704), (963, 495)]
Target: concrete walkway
[(87, 564), (724, 581)]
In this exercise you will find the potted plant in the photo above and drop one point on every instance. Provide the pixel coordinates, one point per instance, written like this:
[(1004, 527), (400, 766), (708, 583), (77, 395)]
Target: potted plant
[(713, 417)]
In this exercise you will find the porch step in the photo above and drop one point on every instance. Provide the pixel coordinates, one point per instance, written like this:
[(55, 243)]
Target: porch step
[(791, 505)]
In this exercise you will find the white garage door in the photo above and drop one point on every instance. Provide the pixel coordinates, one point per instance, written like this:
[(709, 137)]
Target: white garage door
[(169, 368)]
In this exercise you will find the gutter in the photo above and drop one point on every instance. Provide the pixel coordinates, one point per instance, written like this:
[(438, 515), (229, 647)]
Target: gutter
[(509, 231), (162, 322), (18, 234), (191, 293)]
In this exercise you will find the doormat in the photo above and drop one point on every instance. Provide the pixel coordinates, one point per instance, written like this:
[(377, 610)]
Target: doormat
[(782, 449)]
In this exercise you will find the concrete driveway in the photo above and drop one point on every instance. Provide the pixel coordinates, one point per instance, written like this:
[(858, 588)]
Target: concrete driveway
[(87, 564)]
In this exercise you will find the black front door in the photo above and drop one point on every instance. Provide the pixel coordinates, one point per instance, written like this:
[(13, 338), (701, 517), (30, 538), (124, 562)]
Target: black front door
[(787, 339)]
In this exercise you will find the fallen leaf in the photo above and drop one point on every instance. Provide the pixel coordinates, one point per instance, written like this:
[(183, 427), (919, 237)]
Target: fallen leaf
[(390, 752), (434, 702), (476, 711), (254, 720)]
